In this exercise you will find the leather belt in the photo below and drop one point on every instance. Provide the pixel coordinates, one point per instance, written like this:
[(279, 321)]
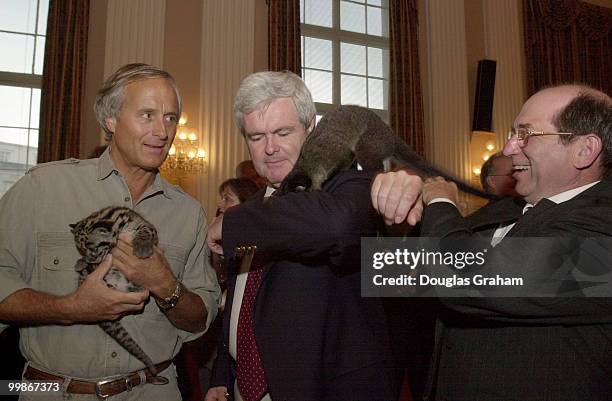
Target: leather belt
[(102, 388)]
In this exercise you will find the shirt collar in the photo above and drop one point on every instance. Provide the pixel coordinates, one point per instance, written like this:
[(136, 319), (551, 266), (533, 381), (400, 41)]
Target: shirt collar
[(106, 167), (564, 196), (567, 195), (269, 191)]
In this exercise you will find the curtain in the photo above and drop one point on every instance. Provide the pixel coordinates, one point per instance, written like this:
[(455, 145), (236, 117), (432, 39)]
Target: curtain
[(405, 99), (63, 80), (284, 42), (567, 41)]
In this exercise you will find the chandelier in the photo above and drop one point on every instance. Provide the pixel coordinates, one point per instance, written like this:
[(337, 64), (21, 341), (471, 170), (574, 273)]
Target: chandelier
[(185, 156)]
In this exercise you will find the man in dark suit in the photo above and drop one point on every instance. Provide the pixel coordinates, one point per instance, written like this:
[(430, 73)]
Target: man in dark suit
[(303, 332), (528, 348)]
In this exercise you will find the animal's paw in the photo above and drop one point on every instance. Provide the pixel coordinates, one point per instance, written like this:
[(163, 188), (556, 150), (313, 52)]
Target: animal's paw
[(296, 181)]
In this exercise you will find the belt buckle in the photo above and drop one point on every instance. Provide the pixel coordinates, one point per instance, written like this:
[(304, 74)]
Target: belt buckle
[(98, 388)]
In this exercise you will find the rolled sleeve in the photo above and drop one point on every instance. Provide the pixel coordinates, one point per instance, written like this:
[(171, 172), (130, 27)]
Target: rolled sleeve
[(17, 236)]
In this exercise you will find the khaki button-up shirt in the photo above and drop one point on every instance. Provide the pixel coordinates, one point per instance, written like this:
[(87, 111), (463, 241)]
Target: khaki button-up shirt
[(37, 251)]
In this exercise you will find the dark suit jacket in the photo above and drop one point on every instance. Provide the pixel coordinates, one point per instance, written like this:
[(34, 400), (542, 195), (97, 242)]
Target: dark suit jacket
[(525, 348), (318, 338)]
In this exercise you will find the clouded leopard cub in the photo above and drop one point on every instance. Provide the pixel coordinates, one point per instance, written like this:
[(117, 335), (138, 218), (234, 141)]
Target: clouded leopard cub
[(95, 236)]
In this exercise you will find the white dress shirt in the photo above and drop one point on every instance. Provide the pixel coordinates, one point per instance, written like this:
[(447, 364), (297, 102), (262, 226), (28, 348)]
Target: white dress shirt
[(502, 230)]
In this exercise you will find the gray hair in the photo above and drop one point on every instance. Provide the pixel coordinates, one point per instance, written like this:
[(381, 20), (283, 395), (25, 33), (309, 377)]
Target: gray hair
[(112, 94), (260, 89)]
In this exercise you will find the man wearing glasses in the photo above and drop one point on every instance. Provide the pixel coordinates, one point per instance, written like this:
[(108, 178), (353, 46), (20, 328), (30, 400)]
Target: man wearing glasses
[(535, 348)]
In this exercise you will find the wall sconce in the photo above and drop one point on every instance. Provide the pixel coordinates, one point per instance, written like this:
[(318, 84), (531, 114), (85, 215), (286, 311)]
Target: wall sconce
[(185, 157), (482, 146)]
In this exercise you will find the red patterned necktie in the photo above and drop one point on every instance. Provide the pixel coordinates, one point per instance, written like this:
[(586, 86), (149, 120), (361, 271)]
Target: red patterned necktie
[(249, 370)]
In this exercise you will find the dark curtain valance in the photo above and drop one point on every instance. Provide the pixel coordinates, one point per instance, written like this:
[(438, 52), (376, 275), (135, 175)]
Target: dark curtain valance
[(567, 41)]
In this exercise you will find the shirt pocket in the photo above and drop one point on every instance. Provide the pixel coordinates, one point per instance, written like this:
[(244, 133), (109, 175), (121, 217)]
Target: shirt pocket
[(56, 258), (176, 257)]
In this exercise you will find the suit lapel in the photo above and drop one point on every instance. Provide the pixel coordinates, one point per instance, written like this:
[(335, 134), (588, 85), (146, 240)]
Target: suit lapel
[(504, 211), (530, 219)]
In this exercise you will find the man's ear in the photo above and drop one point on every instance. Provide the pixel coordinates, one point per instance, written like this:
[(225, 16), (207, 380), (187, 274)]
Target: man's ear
[(587, 151), (110, 123)]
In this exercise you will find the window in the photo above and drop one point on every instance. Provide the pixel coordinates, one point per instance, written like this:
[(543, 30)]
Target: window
[(23, 24), (345, 53)]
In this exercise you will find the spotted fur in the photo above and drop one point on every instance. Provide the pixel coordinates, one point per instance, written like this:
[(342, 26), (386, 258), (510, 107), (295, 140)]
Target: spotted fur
[(95, 236)]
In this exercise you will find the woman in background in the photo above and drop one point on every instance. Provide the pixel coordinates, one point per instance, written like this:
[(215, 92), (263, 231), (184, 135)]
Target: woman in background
[(194, 362), (235, 191)]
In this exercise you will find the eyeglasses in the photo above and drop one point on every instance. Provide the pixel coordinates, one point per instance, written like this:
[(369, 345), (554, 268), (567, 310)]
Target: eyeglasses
[(522, 135)]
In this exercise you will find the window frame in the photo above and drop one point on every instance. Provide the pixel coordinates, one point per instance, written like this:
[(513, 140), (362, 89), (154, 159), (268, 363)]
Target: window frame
[(29, 81), (338, 36)]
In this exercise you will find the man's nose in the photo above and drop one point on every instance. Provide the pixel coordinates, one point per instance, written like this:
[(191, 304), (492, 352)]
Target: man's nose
[(160, 129), (271, 144), (512, 147)]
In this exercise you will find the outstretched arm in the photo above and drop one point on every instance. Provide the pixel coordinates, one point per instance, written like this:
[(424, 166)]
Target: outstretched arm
[(317, 225)]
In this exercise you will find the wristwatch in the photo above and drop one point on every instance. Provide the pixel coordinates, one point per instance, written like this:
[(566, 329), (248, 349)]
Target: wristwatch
[(165, 304)]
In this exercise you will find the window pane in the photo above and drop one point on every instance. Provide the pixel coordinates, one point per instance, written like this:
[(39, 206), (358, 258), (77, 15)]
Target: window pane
[(352, 17), (14, 147), (40, 55), (375, 62), (21, 49), (35, 115), (33, 146), (43, 11), (14, 136), (374, 21), (318, 12), (18, 15), (14, 106), (318, 53), (377, 94), (375, 2), (352, 58), (353, 90), (320, 85)]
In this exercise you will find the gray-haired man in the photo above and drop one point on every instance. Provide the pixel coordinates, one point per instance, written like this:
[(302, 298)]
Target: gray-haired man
[(138, 107)]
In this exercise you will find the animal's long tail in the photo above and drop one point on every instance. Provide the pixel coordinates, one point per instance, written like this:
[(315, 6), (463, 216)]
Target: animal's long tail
[(123, 338), (412, 160)]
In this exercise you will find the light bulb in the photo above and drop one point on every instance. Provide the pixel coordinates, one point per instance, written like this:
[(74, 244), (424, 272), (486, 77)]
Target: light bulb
[(476, 171), (183, 119), (201, 153)]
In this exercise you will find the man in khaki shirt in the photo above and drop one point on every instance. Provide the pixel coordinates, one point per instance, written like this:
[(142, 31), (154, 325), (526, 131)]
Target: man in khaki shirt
[(138, 107)]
